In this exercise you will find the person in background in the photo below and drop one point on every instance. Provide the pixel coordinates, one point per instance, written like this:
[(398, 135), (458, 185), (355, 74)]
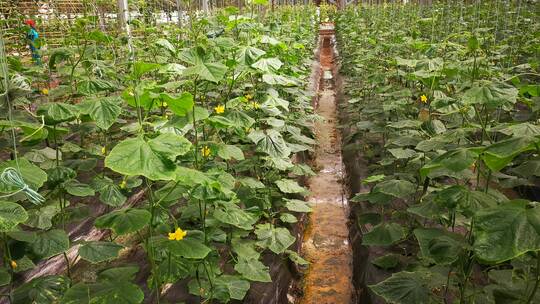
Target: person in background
[(32, 37)]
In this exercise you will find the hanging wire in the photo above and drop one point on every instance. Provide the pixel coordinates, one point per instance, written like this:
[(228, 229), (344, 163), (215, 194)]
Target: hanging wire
[(10, 176)]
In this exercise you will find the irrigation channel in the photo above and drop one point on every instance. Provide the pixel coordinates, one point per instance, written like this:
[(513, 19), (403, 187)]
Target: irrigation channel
[(326, 241)]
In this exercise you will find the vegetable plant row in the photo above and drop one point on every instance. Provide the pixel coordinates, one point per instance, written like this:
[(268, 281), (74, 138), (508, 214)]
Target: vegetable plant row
[(444, 104), (183, 149)]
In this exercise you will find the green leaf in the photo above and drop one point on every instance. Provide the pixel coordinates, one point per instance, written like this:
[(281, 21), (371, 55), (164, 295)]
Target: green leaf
[(230, 152), (45, 289), (500, 154), (5, 277), (42, 218), (124, 221), (76, 188), (290, 186), (248, 54), (140, 68), (251, 182), (104, 292), (11, 214), (32, 174), (57, 112), (406, 288), (296, 258), (373, 179), (23, 236), (179, 105), (268, 65), (275, 239), (253, 270), (189, 248), (275, 79), (213, 72), (297, 205), (104, 111), (152, 159), (440, 246), (50, 243), (236, 286), (395, 188), (244, 248), (384, 234), (97, 252), (401, 153), (491, 94), (455, 160), (270, 142), (506, 231), (288, 218), (110, 193), (386, 262), (230, 213)]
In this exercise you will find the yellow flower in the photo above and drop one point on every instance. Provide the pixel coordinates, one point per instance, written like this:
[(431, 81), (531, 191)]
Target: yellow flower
[(103, 150), (13, 264), (205, 151), (255, 105), (249, 97), (220, 109), (177, 235), (123, 184), (45, 91), (164, 104), (423, 98)]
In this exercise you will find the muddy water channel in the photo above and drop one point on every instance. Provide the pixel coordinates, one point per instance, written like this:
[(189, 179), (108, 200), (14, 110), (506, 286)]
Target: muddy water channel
[(326, 241)]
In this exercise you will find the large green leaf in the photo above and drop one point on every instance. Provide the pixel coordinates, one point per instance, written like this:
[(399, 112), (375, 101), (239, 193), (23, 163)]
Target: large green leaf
[(407, 288), (290, 186), (57, 112), (500, 154), (395, 188), (124, 221), (384, 234), (153, 159), (211, 71), (230, 213), (140, 68), (179, 105), (438, 245), (189, 247), (270, 142), (50, 243), (97, 252), (104, 110), (253, 269), (230, 152), (275, 239), (491, 94), (297, 205), (268, 65), (32, 174), (248, 54), (11, 214), (235, 285), (104, 292), (507, 231), (455, 160), (42, 290)]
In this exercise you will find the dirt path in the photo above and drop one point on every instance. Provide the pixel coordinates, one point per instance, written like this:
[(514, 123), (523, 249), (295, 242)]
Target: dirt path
[(326, 243)]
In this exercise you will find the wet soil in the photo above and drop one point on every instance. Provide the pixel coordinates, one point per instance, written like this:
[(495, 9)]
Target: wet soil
[(326, 241)]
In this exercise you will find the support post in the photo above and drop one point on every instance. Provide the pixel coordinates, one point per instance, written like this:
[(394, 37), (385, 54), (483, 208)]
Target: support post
[(123, 19)]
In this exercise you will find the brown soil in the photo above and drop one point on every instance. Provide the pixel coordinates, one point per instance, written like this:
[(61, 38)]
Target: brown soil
[(326, 243)]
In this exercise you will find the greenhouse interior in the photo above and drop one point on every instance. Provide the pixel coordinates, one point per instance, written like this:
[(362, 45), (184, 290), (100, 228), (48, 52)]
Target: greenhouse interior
[(270, 151)]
